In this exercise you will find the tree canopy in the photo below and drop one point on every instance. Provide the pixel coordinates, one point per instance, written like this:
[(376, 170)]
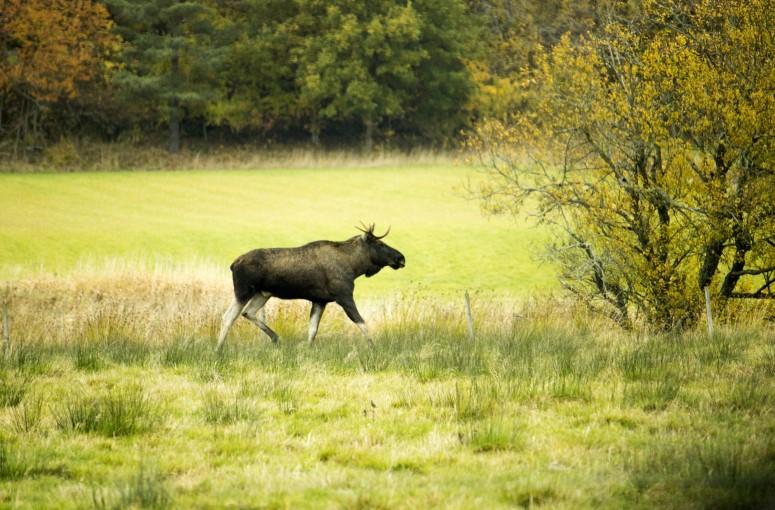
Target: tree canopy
[(353, 72), (48, 48), (651, 150)]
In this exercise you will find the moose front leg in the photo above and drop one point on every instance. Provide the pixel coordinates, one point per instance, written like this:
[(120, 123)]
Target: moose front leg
[(348, 304)]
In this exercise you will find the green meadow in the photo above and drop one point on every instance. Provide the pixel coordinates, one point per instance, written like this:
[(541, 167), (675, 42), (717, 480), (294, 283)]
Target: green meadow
[(113, 402), (61, 223), (112, 395)]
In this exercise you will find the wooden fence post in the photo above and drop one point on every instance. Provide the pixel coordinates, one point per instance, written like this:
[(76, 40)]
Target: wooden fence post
[(707, 311), (469, 317)]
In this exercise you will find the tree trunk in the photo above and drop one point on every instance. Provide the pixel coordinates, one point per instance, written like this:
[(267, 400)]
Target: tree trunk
[(174, 145), (314, 132), (743, 245), (710, 262), (174, 125), (368, 135)]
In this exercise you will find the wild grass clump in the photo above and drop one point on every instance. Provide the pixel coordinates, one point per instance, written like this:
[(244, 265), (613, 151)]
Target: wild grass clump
[(13, 463), (491, 435), (120, 411), (213, 368), (221, 409), (720, 472), (87, 357), (722, 348), (766, 362), (652, 395), (29, 357), (26, 417), (528, 495), (186, 351), (753, 394), (472, 399), (126, 351), (13, 387), (570, 387), (286, 397), (145, 489)]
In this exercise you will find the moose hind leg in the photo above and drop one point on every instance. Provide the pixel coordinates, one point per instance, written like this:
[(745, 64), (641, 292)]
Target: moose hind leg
[(314, 320), (229, 317), (348, 304), (255, 305)]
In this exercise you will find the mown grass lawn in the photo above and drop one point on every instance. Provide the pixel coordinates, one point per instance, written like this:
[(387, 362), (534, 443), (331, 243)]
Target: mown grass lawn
[(63, 222)]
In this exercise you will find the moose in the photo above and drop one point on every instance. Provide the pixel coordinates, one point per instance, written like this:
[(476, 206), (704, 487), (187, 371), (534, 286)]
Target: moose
[(320, 272)]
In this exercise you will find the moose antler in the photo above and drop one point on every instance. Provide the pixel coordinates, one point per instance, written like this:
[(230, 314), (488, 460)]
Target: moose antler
[(385, 234), (369, 230), (366, 229)]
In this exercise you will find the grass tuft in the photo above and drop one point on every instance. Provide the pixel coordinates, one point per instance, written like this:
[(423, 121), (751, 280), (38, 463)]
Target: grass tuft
[(145, 489), (751, 394), (286, 397), (26, 417), (87, 357), (528, 496), (121, 411), (469, 399), (13, 464), (492, 434), (652, 395), (221, 409), (28, 357), (13, 387), (714, 473)]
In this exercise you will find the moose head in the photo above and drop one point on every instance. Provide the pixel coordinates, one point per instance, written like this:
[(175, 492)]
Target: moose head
[(380, 254)]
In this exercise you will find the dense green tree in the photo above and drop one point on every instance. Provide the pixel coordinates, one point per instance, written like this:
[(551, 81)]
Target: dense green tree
[(440, 101), (357, 61), (258, 78), (415, 71), (172, 56), (365, 66)]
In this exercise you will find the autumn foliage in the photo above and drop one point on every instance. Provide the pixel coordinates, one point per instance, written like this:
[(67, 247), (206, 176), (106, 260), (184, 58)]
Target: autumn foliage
[(651, 150), (51, 45), (47, 49)]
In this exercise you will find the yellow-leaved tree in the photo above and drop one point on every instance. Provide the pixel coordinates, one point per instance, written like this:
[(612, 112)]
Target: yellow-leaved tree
[(651, 150)]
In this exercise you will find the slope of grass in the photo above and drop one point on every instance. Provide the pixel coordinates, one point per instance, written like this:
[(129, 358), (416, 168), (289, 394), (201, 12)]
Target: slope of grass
[(67, 223)]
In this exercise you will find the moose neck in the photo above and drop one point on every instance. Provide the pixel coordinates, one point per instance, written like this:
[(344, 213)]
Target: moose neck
[(360, 258)]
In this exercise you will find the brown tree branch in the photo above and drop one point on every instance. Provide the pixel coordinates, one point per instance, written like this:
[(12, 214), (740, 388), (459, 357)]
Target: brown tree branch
[(753, 271)]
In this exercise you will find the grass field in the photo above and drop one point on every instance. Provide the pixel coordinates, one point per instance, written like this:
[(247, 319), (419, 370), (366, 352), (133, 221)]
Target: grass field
[(109, 402), (112, 395), (71, 223)]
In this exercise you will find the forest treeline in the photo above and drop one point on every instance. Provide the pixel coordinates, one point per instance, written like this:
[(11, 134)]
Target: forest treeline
[(347, 73)]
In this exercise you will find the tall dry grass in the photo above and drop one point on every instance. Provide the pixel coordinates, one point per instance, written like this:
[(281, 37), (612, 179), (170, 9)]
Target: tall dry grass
[(154, 302), (72, 155)]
